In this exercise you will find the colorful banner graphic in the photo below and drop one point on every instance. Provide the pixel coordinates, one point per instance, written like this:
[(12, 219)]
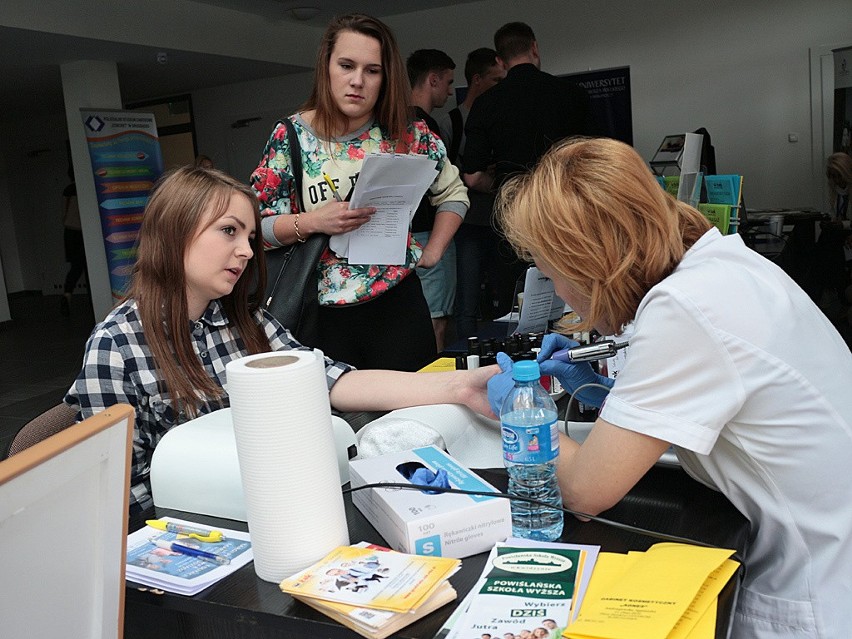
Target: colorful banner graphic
[(126, 161)]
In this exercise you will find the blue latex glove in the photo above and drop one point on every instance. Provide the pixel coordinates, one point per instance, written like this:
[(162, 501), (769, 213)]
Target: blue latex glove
[(501, 383), (425, 477), (571, 376)]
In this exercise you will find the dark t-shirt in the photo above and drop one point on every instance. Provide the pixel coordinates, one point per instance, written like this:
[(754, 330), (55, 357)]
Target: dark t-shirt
[(516, 121), (424, 217)]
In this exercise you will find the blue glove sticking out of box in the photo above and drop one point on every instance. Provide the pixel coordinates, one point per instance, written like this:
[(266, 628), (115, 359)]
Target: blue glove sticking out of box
[(418, 474)]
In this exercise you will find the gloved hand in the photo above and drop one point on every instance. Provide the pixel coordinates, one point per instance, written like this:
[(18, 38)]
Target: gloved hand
[(571, 376), (500, 384)]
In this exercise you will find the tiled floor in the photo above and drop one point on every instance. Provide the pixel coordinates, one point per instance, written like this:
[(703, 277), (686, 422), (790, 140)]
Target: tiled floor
[(41, 352)]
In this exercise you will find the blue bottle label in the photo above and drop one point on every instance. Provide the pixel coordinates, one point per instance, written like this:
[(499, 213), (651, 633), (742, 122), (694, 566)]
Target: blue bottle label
[(530, 444)]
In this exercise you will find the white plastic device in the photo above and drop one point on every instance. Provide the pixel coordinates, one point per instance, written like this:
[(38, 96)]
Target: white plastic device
[(195, 467)]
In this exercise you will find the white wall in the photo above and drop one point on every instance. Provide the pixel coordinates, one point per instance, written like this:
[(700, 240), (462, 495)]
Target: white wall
[(30, 189), (738, 68), (8, 247), (8, 239), (238, 150), (36, 172)]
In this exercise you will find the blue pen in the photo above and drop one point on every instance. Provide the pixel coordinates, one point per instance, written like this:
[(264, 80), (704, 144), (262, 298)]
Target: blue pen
[(588, 353), (192, 552)]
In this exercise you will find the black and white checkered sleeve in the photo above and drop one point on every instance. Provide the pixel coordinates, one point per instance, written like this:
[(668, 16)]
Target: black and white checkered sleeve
[(280, 339)]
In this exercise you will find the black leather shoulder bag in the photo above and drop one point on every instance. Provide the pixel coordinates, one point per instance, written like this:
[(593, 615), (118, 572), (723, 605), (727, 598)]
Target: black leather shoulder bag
[(291, 293)]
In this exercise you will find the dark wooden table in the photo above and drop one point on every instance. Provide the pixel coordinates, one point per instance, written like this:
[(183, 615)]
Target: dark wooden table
[(242, 606)]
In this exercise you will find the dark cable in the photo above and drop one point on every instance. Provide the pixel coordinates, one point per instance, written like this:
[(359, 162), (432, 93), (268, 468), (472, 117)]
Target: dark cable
[(609, 522), (574, 395)]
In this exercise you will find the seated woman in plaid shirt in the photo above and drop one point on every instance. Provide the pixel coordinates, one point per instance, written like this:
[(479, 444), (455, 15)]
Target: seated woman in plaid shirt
[(193, 306)]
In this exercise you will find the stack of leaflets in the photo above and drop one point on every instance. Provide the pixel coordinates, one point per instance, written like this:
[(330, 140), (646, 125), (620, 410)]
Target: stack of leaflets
[(724, 199), (528, 590), (156, 566), (373, 590), (671, 184), (669, 591)]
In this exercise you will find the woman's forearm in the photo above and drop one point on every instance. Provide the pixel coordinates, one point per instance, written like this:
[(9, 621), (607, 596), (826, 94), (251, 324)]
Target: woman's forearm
[(389, 390)]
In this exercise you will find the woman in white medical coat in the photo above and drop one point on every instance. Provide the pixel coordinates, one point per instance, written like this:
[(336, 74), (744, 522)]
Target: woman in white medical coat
[(729, 361)]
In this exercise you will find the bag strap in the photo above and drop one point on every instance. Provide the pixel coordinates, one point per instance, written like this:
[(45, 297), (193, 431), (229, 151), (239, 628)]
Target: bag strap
[(295, 149), (458, 131)]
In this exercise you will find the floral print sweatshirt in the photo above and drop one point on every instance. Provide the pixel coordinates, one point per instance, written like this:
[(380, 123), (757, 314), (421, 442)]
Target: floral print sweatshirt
[(340, 282)]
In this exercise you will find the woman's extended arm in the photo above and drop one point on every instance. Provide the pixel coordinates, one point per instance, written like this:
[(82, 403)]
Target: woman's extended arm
[(389, 390), (445, 227)]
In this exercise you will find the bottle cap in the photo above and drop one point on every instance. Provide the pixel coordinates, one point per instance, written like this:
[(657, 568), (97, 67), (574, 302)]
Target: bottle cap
[(526, 371)]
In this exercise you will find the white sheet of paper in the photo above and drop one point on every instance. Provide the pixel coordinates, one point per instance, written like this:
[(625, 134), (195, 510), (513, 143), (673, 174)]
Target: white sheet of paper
[(511, 316), (388, 169), (407, 177), (383, 240), (339, 244), (540, 303)]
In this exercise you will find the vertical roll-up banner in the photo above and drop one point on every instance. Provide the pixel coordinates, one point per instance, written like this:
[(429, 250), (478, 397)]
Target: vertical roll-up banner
[(126, 161)]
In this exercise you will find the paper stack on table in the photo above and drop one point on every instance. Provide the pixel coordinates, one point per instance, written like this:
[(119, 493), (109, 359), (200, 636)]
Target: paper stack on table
[(373, 590), (668, 592), (525, 587), (155, 565)]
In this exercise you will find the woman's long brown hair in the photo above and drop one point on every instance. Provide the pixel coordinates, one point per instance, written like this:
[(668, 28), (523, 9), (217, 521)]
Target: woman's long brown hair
[(391, 108), (182, 203)]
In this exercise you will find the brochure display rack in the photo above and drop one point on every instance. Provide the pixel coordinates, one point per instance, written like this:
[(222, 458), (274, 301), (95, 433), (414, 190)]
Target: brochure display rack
[(724, 202)]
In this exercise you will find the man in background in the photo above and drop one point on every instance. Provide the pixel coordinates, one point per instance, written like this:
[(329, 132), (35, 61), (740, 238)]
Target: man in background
[(477, 243), (513, 124), (431, 75)]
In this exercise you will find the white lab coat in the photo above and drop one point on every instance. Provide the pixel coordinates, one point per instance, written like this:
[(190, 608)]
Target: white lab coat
[(732, 363)]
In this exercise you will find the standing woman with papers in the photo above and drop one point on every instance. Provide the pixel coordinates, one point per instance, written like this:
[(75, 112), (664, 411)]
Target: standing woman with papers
[(729, 361), (371, 315)]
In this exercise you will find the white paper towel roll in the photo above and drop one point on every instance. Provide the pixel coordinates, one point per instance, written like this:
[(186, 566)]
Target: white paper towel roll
[(288, 464)]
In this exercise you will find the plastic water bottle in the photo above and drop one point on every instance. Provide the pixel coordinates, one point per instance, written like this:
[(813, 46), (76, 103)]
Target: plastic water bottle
[(530, 449)]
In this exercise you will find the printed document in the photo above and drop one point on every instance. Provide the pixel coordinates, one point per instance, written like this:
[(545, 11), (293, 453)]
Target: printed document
[(663, 593), (394, 184), (541, 303), (523, 591), (149, 565)]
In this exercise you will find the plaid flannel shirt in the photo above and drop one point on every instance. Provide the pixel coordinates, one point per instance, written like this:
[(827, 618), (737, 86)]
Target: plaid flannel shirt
[(118, 368)]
